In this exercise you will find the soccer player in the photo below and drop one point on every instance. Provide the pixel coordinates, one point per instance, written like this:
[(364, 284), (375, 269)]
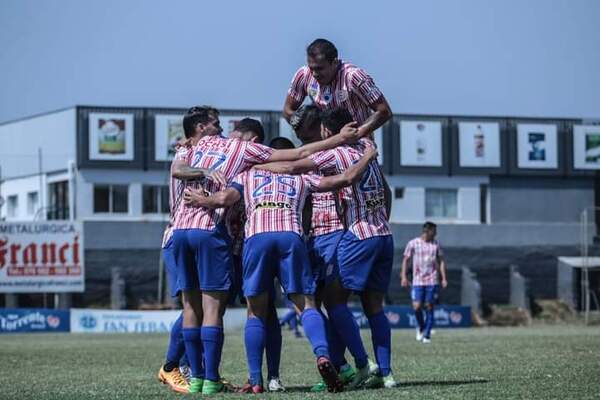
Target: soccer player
[(171, 373), (332, 83), (202, 245), (274, 247), (365, 251), (426, 255)]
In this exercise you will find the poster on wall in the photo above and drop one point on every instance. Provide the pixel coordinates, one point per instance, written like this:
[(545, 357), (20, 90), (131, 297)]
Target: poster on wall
[(479, 144), (168, 131), (286, 131), (537, 146), (229, 122), (586, 147), (111, 136), (421, 143)]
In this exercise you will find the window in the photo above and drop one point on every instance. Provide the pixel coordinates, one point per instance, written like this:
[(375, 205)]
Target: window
[(58, 196), (441, 203), (111, 198), (32, 203), (12, 206), (155, 199)]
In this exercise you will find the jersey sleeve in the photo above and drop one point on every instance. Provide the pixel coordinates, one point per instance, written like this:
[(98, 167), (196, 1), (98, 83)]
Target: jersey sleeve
[(238, 183), (409, 249), (255, 153), (297, 90), (312, 182), (325, 161), (183, 153), (363, 85)]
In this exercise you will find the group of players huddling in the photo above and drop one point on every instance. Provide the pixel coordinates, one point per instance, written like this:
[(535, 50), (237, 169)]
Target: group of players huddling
[(314, 217)]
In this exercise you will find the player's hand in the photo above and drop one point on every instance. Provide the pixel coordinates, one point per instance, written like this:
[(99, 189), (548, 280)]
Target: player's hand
[(193, 197), (218, 177), (444, 283), (404, 282), (350, 132)]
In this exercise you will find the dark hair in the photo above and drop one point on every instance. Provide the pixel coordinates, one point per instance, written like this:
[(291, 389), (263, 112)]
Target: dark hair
[(194, 116), (427, 226), (324, 48), (335, 119), (280, 143), (251, 125), (306, 117)]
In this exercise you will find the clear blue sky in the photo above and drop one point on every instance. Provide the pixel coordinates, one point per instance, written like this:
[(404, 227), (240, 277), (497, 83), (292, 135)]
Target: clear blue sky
[(503, 57)]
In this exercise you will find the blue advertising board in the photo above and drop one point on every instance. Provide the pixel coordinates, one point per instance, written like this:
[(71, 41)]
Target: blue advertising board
[(404, 316), (34, 320)]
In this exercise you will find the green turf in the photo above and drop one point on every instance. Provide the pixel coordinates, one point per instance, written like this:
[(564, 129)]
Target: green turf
[(542, 362)]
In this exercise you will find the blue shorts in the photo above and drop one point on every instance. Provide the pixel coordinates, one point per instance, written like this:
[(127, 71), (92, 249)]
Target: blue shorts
[(425, 294), (168, 254), (203, 259), (323, 255), (365, 264), (276, 254)]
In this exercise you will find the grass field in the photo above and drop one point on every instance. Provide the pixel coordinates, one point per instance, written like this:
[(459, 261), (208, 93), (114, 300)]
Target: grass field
[(542, 362)]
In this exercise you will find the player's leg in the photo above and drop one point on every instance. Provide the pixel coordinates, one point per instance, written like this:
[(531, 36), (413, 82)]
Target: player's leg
[(431, 293), (255, 338), (417, 294), (273, 345)]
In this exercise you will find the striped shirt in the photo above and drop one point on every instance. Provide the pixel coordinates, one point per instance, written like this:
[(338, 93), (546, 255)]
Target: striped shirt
[(424, 257), (183, 153), (352, 88), (230, 157), (274, 202), (325, 218), (363, 204)]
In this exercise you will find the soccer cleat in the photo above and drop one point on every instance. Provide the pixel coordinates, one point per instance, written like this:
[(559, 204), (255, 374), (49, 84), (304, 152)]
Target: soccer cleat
[(275, 385), (389, 381), (347, 373), (419, 335), (212, 387), (249, 388), (329, 375), (378, 382), (174, 379), (362, 374), (186, 372), (196, 385), (319, 387), (426, 340)]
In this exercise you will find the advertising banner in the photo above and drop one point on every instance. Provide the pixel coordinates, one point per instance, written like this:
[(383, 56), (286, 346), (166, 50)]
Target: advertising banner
[(404, 317), (14, 320)]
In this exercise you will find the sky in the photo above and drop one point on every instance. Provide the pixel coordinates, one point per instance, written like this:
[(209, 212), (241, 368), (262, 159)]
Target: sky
[(538, 58)]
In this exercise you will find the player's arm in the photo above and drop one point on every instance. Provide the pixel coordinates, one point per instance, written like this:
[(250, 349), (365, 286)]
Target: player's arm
[(348, 134), (387, 194), (290, 106), (442, 264), (224, 198), (382, 113), (296, 93), (363, 85), (349, 176), (181, 170), (403, 279)]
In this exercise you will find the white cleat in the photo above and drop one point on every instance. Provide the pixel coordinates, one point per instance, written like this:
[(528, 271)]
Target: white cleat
[(389, 381), (373, 367), (426, 340), (419, 335), (275, 385)]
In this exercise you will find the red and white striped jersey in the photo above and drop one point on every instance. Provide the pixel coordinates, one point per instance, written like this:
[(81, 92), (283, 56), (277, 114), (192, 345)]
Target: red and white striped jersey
[(274, 202), (183, 153), (230, 157), (325, 218), (424, 257), (352, 88), (363, 204)]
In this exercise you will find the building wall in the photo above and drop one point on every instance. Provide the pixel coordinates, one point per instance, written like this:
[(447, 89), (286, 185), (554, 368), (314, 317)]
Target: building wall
[(54, 133), (20, 187)]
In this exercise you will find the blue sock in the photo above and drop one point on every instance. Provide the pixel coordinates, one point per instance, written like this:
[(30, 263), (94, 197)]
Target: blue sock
[(294, 322), (288, 317), (420, 320), (212, 341), (382, 341), (176, 348), (193, 350), (314, 328), (254, 339), (273, 346), (336, 344), (347, 328), (428, 323)]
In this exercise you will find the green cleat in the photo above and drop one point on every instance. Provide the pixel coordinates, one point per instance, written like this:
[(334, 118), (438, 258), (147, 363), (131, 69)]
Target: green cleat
[(196, 385), (347, 373), (319, 387), (211, 387)]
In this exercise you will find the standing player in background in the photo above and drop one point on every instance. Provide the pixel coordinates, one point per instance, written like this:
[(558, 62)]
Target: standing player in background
[(333, 83), (171, 371), (202, 245), (365, 252), (426, 255), (274, 247)]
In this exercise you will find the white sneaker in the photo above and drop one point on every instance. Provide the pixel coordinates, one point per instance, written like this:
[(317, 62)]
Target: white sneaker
[(389, 381), (373, 367), (426, 340), (419, 335), (275, 385)]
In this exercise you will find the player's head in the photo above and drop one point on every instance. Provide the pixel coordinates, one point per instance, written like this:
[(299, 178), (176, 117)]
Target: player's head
[(322, 60), (429, 230), (281, 143), (332, 121), (250, 130), (201, 121), (306, 122)]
